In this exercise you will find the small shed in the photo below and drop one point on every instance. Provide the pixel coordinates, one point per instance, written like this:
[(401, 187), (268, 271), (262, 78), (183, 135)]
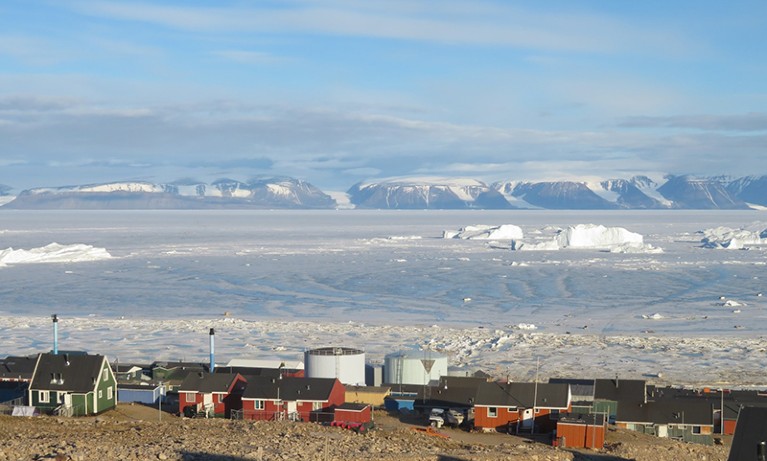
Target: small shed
[(581, 431), (353, 413), (148, 394)]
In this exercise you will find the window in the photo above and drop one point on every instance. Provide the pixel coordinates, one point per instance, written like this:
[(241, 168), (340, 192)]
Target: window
[(190, 397), (258, 405), (106, 374), (316, 406), (696, 429), (44, 396), (110, 393), (492, 412), (101, 393)]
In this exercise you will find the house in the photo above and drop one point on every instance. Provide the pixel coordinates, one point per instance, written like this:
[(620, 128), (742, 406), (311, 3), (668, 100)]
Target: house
[(129, 373), (581, 431), (370, 395), (68, 385), (146, 393), (610, 394), (520, 407), (211, 394), (303, 399), (353, 413), (15, 375), (270, 368), (174, 373), (17, 369), (750, 435), (689, 420)]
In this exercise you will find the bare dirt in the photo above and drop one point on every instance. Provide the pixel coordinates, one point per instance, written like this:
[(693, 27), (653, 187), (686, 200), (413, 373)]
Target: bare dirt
[(135, 432)]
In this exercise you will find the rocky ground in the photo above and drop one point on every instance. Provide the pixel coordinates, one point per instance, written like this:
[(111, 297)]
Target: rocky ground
[(135, 432)]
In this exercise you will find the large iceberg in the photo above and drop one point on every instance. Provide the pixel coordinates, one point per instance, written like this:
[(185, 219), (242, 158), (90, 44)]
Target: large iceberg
[(732, 239), (591, 236), (53, 253)]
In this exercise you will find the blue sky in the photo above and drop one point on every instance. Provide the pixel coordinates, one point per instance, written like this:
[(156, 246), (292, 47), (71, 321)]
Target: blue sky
[(339, 91)]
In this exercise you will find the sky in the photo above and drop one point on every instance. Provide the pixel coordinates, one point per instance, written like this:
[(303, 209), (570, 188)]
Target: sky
[(335, 92)]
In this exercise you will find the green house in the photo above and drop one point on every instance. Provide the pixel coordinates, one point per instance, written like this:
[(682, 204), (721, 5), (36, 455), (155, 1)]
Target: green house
[(73, 384)]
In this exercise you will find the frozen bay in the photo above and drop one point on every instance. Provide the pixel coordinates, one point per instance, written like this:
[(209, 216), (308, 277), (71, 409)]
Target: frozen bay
[(275, 282)]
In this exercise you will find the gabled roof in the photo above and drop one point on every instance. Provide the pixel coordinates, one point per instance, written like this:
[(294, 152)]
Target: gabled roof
[(668, 411), (17, 367), (524, 395), (620, 390), (352, 406), (69, 373), (290, 389), (210, 382), (750, 431)]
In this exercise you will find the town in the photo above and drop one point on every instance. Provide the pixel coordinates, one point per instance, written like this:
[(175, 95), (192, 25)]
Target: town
[(336, 386)]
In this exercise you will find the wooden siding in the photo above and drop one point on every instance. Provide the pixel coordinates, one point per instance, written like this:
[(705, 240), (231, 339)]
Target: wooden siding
[(580, 436)]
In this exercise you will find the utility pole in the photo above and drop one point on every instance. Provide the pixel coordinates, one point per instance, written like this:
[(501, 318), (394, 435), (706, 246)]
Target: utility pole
[(535, 393)]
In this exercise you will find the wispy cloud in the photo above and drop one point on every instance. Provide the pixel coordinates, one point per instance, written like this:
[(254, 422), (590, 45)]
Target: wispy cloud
[(467, 22), (754, 121), (249, 57)]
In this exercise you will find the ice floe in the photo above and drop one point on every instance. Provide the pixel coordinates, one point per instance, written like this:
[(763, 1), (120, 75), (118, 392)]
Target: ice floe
[(482, 232)]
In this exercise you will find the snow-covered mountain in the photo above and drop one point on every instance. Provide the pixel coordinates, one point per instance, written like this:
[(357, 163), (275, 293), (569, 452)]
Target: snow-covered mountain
[(638, 192), (426, 193), (262, 192), (700, 193)]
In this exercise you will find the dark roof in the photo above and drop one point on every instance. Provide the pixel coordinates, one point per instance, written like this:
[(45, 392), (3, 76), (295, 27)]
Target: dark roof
[(182, 365), (209, 382), (291, 389), (17, 367), (749, 432), (70, 373), (352, 406), (522, 395), (620, 390), (668, 411)]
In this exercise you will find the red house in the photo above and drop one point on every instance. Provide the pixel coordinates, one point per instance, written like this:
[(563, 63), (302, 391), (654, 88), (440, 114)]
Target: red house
[(212, 394), (353, 413), (520, 407), (298, 399)]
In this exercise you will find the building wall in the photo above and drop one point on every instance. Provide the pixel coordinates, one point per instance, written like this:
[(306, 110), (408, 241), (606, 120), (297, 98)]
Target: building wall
[(351, 416), (504, 416), (580, 436)]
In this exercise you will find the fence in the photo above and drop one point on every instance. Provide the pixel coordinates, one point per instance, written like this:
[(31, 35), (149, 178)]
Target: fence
[(261, 415)]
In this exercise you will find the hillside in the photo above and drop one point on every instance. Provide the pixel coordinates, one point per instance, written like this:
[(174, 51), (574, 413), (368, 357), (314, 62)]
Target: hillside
[(135, 433)]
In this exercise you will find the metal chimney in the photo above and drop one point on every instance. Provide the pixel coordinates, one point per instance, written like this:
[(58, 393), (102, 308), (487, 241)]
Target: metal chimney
[(212, 350), (55, 334)]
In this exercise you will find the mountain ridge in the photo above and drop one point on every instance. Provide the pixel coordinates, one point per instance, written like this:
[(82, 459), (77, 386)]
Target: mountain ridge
[(284, 192)]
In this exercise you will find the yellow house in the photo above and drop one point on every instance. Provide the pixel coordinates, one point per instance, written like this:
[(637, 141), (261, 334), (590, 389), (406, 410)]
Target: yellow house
[(371, 395)]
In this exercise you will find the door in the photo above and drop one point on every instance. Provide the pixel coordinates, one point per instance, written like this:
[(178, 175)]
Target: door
[(527, 418), (292, 410), (662, 430), (67, 400)]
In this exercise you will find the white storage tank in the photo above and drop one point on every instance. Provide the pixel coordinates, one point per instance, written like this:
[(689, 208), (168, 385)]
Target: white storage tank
[(345, 363), (419, 367)]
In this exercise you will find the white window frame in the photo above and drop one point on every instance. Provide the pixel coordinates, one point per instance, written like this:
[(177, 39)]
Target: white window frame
[(492, 412), (190, 397), (106, 374), (259, 405), (101, 394), (110, 393), (316, 406), (44, 396)]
